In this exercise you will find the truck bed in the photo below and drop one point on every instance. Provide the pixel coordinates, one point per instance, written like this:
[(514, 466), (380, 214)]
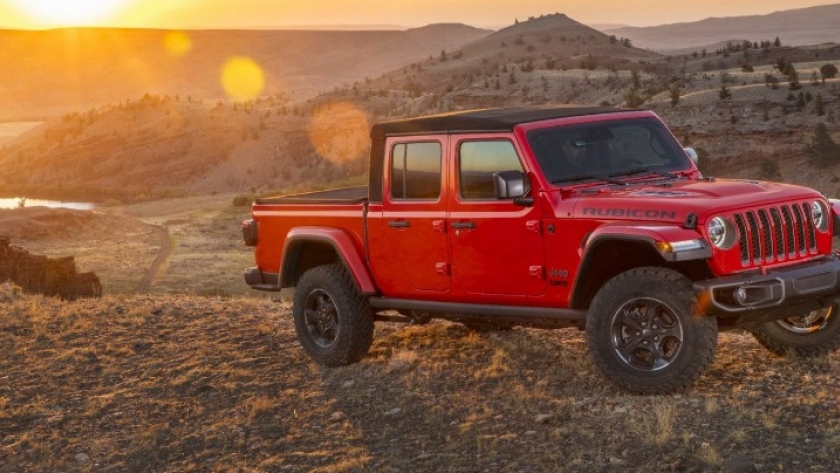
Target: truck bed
[(346, 195)]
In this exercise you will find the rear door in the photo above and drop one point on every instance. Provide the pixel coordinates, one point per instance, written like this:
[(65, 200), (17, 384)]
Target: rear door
[(414, 210), (496, 246)]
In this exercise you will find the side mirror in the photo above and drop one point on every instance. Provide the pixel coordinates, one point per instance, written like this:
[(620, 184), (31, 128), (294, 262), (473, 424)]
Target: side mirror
[(509, 184), (513, 185), (692, 155)]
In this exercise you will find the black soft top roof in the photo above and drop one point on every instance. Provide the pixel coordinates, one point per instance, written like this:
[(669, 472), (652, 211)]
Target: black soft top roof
[(491, 119)]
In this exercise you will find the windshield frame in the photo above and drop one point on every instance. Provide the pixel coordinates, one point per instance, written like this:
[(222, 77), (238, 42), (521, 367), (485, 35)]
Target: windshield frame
[(675, 162)]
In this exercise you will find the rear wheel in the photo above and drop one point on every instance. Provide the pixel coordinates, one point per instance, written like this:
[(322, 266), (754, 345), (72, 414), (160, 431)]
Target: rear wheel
[(642, 333), (333, 320), (812, 334)]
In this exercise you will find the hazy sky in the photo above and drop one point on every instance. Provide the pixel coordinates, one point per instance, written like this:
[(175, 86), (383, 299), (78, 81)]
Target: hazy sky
[(286, 13)]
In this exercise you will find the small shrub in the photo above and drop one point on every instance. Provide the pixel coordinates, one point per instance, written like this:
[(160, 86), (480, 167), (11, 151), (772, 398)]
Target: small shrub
[(9, 292), (769, 170), (243, 200)]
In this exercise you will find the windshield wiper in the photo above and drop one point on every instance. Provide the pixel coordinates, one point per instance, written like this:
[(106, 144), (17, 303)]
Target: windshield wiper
[(642, 169), (583, 177)]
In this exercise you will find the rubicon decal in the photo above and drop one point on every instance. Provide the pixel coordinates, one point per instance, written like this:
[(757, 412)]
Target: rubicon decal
[(634, 213)]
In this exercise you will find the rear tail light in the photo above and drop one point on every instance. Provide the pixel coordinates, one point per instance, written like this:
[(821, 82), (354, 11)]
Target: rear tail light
[(249, 232)]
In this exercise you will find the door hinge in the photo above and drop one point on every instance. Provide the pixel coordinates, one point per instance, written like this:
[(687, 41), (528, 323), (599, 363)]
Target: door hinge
[(439, 225), (442, 268), (534, 226)]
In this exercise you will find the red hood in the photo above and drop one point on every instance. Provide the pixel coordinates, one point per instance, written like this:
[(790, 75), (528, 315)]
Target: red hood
[(671, 200)]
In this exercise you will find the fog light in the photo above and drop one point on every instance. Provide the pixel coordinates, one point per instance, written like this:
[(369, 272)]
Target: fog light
[(740, 295)]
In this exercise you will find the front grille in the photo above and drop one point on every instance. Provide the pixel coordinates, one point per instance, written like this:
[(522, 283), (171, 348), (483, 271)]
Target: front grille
[(775, 234)]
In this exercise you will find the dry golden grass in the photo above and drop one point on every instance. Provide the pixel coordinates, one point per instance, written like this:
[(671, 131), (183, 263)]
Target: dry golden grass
[(9, 292), (665, 420), (709, 455), (175, 383)]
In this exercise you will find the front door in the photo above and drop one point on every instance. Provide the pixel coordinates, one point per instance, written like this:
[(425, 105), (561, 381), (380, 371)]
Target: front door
[(496, 245)]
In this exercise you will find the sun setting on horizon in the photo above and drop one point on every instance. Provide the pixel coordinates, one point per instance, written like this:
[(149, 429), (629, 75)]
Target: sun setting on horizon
[(71, 13), (319, 14)]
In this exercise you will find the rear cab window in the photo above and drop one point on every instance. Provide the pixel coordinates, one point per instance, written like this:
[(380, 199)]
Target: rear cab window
[(415, 171)]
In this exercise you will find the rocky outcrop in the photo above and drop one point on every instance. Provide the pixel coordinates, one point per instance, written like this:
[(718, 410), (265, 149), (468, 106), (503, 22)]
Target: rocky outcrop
[(43, 275)]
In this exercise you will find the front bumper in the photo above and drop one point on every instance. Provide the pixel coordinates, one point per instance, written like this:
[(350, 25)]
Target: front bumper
[(774, 294)]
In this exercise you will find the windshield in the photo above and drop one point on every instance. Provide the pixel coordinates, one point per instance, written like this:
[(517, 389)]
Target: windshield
[(606, 149)]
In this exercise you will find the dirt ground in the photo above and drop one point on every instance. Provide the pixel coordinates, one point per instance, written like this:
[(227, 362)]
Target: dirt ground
[(195, 377), (122, 244), (190, 383)]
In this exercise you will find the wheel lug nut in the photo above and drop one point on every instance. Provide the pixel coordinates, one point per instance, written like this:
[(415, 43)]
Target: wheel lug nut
[(655, 327), (638, 334)]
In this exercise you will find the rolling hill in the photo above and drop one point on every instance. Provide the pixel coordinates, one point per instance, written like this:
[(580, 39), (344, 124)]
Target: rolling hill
[(66, 70), (797, 27), (171, 145), (176, 144), (527, 62)]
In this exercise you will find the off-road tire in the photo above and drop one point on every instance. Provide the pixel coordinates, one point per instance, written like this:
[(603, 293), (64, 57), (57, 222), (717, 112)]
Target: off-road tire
[(333, 320), (643, 333), (782, 337)]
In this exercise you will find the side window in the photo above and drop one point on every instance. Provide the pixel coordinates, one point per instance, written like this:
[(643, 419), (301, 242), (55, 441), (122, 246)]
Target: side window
[(415, 171), (478, 161)]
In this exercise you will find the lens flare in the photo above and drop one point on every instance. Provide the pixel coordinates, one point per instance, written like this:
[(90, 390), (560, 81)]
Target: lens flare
[(339, 131), (177, 43), (242, 78)]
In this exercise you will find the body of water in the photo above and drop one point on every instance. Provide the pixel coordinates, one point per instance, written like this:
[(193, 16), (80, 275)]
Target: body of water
[(55, 204)]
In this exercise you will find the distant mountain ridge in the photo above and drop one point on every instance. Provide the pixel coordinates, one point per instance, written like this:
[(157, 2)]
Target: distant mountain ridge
[(803, 26), (64, 70), (165, 145), (552, 38)]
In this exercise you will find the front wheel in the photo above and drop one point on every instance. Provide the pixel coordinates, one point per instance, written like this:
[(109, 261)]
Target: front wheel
[(643, 335), (813, 334), (333, 320)]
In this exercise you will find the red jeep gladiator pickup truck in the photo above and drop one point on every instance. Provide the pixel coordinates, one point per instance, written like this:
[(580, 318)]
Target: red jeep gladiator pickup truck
[(549, 218)]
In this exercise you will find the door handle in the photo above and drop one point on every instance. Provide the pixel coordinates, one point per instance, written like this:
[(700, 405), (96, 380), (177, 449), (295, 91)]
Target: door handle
[(399, 224), (461, 225)]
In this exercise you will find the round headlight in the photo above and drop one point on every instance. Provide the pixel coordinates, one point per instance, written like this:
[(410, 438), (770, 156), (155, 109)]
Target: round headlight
[(721, 232), (819, 215)]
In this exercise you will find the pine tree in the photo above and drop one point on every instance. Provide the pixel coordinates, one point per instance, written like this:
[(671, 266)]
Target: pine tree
[(822, 151), (633, 99), (769, 170), (637, 83), (674, 93), (828, 71)]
